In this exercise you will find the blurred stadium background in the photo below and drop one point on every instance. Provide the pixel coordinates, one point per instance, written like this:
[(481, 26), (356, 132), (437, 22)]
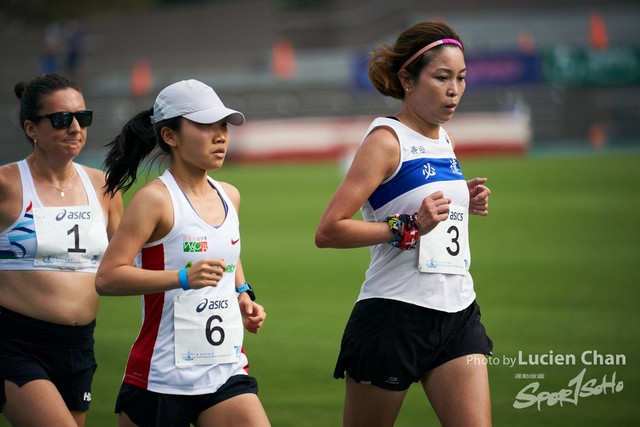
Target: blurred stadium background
[(556, 73)]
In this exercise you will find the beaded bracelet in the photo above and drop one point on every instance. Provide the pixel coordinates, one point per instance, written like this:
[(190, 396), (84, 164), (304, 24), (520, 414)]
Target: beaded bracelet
[(405, 229)]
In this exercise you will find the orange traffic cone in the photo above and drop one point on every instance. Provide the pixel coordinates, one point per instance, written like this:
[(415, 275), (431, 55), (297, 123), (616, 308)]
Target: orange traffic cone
[(283, 63), (141, 80), (598, 32)]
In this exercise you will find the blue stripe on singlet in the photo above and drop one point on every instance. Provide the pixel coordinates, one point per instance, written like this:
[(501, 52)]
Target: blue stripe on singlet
[(413, 174)]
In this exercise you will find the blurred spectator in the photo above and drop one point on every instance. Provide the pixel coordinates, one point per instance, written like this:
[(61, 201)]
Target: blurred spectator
[(51, 48), (74, 36)]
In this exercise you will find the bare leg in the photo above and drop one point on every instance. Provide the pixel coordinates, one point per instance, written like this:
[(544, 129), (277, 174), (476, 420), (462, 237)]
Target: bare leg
[(125, 421), (50, 410), (370, 406), (79, 417), (459, 393), (244, 410)]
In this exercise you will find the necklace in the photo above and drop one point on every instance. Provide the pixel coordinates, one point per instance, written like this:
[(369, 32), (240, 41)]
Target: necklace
[(61, 190)]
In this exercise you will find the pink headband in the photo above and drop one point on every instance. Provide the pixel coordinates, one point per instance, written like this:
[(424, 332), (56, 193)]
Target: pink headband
[(430, 46)]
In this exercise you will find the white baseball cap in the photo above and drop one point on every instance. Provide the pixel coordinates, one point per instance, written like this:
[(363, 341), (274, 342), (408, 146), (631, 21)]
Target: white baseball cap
[(195, 101)]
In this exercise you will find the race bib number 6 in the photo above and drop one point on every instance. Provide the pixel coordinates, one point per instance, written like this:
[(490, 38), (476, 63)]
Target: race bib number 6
[(445, 249), (208, 330)]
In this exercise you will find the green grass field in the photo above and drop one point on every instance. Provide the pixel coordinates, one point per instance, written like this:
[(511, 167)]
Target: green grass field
[(555, 267)]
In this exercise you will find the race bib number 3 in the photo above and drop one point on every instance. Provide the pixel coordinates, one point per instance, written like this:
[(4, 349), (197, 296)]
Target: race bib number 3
[(445, 249), (208, 330), (70, 237)]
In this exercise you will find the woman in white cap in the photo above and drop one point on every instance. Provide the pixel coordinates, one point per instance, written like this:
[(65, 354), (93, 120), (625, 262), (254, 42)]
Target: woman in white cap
[(416, 318), (178, 246)]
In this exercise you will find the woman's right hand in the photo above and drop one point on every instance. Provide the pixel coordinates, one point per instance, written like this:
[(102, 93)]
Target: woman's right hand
[(206, 272), (433, 210)]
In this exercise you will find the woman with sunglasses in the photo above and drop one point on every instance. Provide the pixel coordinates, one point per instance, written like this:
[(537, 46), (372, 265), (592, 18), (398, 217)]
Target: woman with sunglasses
[(55, 222), (416, 318), (178, 245)]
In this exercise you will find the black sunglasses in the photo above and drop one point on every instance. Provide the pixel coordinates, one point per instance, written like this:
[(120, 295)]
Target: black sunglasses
[(64, 119)]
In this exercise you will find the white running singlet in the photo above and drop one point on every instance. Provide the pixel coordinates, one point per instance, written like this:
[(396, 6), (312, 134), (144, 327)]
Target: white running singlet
[(206, 349), (440, 280)]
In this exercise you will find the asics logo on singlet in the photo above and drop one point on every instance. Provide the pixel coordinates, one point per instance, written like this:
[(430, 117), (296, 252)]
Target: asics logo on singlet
[(73, 215), (212, 305), (428, 171)]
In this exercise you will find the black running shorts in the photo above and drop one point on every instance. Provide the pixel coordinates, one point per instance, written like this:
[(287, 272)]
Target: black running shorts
[(392, 344)]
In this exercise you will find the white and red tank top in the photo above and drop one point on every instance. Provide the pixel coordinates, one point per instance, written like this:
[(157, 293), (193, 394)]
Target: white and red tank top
[(153, 362)]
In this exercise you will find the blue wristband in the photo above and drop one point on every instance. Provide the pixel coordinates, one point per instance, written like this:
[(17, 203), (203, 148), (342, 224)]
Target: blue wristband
[(184, 282)]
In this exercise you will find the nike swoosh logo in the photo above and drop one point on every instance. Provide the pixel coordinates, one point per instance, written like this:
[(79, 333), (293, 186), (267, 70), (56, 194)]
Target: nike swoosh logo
[(233, 242)]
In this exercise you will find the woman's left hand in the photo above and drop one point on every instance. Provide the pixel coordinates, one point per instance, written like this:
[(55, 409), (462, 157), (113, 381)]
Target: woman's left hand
[(478, 196), (252, 313)]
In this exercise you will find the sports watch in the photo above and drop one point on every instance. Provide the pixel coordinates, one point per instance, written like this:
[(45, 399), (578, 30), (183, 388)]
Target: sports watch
[(246, 287)]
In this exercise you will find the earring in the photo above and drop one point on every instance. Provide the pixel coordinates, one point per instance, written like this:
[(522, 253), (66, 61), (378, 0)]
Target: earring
[(35, 142)]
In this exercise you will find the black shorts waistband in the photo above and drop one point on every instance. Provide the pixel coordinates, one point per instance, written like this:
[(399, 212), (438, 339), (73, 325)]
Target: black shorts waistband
[(16, 325)]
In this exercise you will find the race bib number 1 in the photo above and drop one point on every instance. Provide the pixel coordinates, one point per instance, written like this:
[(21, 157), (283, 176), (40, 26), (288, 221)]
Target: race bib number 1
[(69, 237), (445, 249), (208, 330)]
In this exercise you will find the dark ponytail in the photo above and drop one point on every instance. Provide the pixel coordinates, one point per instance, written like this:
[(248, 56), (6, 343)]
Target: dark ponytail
[(137, 140)]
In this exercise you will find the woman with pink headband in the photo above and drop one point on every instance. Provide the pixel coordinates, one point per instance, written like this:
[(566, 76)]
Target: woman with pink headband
[(416, 318)]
